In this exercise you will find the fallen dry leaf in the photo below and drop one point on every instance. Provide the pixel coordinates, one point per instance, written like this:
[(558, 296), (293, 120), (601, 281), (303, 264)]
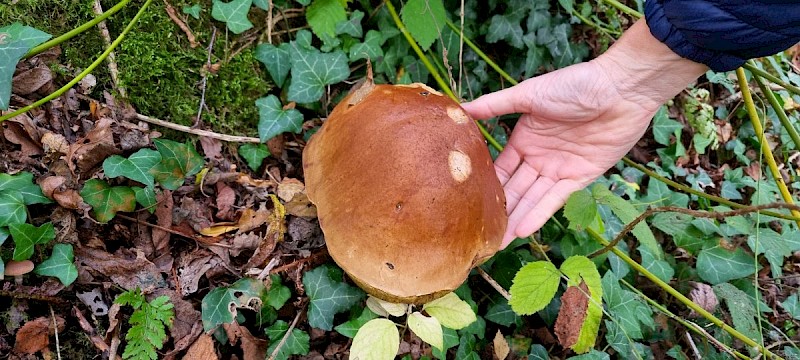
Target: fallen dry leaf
[(34, 336), (244, 241), (186, 316), (501, 348), (203, 348), (194, 212), (753, 170), (54, 143), (574, 304), (94, 300), (301, 206), (96, 146), (28, 82), (54, 188), (289, 187), (253, 348), (191, 267), (251, 219), (126, 268), (212, 148), (219, 229), (164, 219), (226, 197), (21, 131), (703, 295)]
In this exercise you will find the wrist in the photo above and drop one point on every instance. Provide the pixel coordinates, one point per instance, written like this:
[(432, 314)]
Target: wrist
[(644, 70)]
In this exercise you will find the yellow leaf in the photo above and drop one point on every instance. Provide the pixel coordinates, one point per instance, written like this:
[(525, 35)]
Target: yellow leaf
[(219, 229), (385, 308), (451, 311), (378, 339), (427, 328)]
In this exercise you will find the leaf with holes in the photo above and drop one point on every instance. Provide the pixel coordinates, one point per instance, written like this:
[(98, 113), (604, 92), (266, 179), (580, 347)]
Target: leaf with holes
[(146, 197), (12, 208), (377, 339), (23, 184), (328, 295), (220, 305), (233, 14), (717, 265), (424, 19), (136, 167), (276, 59), (451, 311), (583, 272), (312, 70), (254, 154), (26, 236), (106, 201), (15, 41), (60, 265), (273, 120), (323, 15), (427, 328), (178, 161), (369, 49), (296, 343), (535, 285)]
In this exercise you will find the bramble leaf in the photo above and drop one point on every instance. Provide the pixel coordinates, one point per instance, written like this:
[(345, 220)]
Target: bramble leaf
[(535, 285), (297, 343), (451, 311), (59, 265), (254, 154), (12, 208), (312, 70), (219, 305), (581, 210), (328, 296), (276, 59), (323, 15), (378, 339), (427, 328), (273, 120), (17, 40), (424, 19), (136, 167), (717, 265), (26, 236), (178, 161), (106, 201), (233, 14)]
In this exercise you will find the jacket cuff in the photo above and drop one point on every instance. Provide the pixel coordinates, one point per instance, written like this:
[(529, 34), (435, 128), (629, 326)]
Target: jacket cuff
[(662, 29)]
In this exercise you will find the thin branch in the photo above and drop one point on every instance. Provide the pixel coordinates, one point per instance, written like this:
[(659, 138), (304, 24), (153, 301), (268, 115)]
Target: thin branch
[(199, 132), (181, 24), (55, 330), (205, 78), (285, 336), (112, 59), (493, 283)]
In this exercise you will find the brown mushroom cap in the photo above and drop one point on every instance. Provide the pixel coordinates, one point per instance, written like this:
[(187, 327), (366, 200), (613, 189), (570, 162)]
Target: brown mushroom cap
[(405, 190), (17, 268)]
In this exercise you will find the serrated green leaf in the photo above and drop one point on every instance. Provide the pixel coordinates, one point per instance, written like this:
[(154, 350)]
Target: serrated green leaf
[(178, 161), (424, 19), (136, 167), (278, 294), (22, 183), (328, 296), (297, 343), (717, 265), (12, 208), (59, 265), (146, 197), (26, 236), (273, 120), (580, 210), (276, 59), (312, 70), (534, 287), (378, 339), (740, 308), (350, 328), (106, 201), (233, 14), (369, 49), (220, 305), (628, 311), (351, 26), (193, 10), (627, 213), (254, 154), (451, 311), (323, 15), (505, 27), (17, 40), (427, 328), (579, 269)]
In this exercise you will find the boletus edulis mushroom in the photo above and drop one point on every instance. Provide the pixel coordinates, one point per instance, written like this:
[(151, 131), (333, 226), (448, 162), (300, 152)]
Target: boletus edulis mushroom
[(405, 190)]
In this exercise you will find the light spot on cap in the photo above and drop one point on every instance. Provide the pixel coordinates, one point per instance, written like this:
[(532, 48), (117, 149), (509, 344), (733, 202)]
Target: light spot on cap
[(458, 115), (460, 165)]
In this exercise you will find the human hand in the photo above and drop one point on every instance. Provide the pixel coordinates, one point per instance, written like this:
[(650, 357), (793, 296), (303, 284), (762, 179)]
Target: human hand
[(577, 122)]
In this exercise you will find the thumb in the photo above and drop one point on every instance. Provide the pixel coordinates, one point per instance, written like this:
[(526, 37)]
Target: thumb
[(507, 101)]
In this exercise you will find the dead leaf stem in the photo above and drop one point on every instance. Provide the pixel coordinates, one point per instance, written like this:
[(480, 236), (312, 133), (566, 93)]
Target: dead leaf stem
[(198, 132), (204, 84), (112, 59)]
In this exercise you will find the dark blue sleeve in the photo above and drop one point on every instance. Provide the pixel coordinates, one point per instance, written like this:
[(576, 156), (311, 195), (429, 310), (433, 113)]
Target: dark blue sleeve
[(724, 34)]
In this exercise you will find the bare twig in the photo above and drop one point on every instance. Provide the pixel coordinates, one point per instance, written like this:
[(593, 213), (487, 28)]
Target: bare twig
[(693, 346), (696, 213), (181, 24), (112, 59), (717, 344), (285, 336), (266, 270), (494, 283), (205, 78), (199, 132), (55, 330), (178, 233)]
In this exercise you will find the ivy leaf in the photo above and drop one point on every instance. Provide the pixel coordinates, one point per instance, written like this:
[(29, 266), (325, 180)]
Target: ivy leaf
[(276, 59), (59, 265), (106, 201), (26, 236), (178, 161), (580, 210), (741, 309), (679, 226), (351, 26), (717, 265), (312, 71), (297, 343), (582, 272), (146, 197), (451, 311), (22, 183), (220, 305), (427, 328), (350, 328), (136, 167), (377, 339), (625, 211), (16, 42), (664, 127), (792, 306), (12, 208), (261, 4), (254, 154), (369, 49), (505, 27), (328, 295), (501, 313), (233, 14), (534, 287), (628, 311), (193, 10), (424, 19), (323, 15), (773, 246), (274, 120), (278, 294)]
